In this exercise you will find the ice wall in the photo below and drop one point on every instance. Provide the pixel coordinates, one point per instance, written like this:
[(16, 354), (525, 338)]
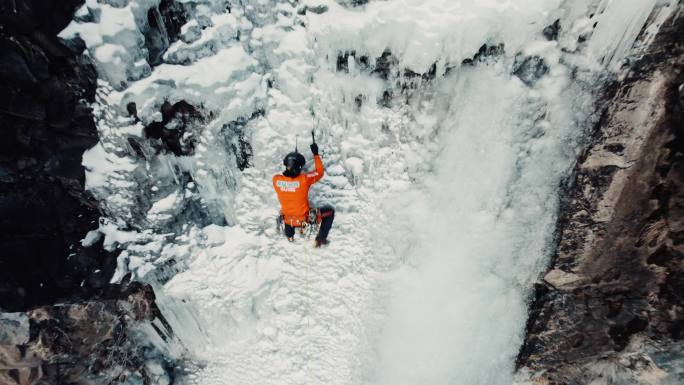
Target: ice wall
[(446, 128)]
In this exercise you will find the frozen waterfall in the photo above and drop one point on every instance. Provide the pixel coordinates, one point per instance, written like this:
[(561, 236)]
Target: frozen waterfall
[(446, 128)]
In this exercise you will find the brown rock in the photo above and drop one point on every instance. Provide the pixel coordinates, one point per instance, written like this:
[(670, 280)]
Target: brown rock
[(612, 300), (82, 343)]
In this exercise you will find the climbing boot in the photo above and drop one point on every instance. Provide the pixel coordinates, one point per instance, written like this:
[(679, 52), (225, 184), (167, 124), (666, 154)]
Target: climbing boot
[(321, 242)]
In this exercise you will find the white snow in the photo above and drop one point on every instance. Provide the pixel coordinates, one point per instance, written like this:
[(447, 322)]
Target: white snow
[(91, 238), (164, 209), (116, 33), (355, 165), (101, 166), (445, 201), (422, 32), (197, 43), (115, 237), (194, 83)]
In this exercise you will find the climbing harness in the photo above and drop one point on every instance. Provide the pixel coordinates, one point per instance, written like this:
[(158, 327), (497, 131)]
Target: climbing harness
[(306, 227)]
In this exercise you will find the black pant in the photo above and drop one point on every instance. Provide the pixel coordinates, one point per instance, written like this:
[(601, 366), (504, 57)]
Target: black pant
[(327, 217)]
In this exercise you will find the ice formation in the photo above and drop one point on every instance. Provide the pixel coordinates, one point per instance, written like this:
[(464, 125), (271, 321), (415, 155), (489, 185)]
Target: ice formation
[(446, 128)]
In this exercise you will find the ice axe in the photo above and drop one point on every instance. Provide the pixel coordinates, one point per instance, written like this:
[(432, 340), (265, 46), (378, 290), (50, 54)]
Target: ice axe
[(314, 146)]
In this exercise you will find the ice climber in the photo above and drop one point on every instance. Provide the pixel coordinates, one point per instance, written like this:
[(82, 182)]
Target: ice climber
[(292, 187)]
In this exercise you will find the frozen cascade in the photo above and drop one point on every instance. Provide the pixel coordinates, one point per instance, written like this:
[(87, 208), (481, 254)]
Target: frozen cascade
[(446, 128)]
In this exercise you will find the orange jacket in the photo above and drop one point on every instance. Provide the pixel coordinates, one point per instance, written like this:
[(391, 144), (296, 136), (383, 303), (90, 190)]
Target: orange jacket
[(293, 193)]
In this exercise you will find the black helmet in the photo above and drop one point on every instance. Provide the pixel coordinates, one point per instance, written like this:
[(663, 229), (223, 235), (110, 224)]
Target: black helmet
[(294, 162)]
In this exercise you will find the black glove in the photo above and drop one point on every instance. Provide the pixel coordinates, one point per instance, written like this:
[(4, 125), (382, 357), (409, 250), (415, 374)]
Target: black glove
[(314, 148)]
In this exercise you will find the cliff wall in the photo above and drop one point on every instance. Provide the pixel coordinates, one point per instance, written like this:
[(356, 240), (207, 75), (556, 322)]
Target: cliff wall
[(611, 306)]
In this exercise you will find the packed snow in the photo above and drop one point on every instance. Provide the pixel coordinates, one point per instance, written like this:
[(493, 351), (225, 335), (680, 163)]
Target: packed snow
[(444, 176)]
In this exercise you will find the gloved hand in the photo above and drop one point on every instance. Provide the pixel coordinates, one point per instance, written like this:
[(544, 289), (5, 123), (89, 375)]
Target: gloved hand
[(314, 148)]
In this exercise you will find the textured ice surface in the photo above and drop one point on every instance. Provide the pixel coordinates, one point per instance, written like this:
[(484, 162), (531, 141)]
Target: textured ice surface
[(444, 177)]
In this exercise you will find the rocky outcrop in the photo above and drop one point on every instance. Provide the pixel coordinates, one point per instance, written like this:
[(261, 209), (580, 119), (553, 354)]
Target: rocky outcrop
[(164, 26), (611, 307), (178, 130), (45, 89), (92, 342), (529, 69), (61, 321)]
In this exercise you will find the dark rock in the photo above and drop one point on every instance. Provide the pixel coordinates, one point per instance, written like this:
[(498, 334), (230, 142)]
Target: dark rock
[(61, 104), (137, 147), (616, 148), (386, 100), (484, 54), (164, 25), (51, 45), (47, 125), (363, 62), (24, 17), (75, 45), (156, 38), (383, 65), (429, 75), (93, 340), (13, 67), (174, 16), (36, 59), (358, 102), (14, 102), (155, 130), (233, 135), (529, 69), (352, 3), (132, 110), (318, 9), (342, 64), (177, 120), (551, 32)]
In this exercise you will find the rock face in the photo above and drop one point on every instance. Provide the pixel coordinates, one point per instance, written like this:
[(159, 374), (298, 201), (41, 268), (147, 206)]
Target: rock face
[(177, 131), (92, 342), (45, 88), (61, 321), (165, 23), (611, 307)]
